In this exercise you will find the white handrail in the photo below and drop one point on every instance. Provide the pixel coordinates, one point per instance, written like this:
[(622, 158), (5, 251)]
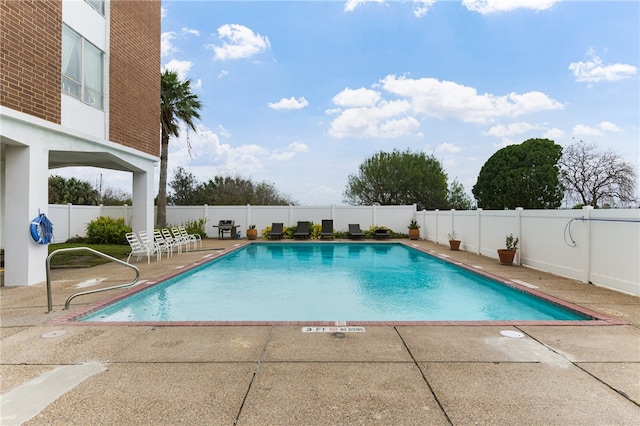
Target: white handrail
[(82, 293)]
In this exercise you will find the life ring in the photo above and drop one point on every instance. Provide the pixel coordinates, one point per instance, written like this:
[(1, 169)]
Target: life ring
[(42, 229)]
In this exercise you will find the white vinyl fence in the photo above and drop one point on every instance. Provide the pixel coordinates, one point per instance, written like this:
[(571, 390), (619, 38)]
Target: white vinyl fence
[(594, 246)]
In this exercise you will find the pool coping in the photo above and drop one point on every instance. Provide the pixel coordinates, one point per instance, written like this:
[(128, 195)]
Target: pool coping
[(73, 318)]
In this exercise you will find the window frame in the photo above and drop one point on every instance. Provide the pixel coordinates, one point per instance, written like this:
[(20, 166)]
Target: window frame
[(79, 85), (97, 5)]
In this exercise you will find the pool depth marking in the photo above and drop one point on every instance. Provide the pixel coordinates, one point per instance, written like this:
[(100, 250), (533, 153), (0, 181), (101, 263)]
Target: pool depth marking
[(333, 329)]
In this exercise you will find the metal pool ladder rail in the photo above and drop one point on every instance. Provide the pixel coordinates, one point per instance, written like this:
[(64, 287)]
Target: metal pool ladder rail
[(82, 293)]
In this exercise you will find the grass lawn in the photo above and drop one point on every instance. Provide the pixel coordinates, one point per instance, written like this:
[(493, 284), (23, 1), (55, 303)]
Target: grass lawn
[(84, 258)]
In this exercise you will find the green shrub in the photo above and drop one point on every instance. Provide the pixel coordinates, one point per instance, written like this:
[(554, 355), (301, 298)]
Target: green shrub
[(107, 230), (314, 230), (196, 226)]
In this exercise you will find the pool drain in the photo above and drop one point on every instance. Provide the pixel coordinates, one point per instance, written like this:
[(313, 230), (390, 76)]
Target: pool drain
[(339, 335)]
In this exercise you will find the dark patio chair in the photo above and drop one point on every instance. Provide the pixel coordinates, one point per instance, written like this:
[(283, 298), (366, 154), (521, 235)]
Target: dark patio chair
[(381, 234), (354, 231), (302, 231), (327, 229), (276, 230)]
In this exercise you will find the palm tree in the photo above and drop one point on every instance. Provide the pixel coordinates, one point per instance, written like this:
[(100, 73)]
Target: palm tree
[(177, 104)]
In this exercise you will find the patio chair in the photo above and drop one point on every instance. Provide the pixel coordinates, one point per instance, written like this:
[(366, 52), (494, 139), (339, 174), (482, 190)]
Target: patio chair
[(276, 230), (185, 241), (196, 238), (164, 244), (354, 231), (154, 245), (139, 250), (160, 239), (166, 234), (327, 229), (302, 231), (381, 234)]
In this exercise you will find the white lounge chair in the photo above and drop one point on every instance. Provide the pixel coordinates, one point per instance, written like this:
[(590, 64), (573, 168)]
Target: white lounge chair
[(185, 241), (166, 245), (154, 245), (166, 234), (139, 250), (195, 238)]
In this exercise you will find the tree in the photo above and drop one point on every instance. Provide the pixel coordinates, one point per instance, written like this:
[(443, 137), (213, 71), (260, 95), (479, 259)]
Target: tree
[(177, 105), (185, 188), (115, 197), (72, 190), (457, 198), (525, 175), (224, 190), (399, 178), (597, 177)]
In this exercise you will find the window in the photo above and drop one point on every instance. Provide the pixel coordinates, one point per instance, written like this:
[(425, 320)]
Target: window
[(98, 5), (82, 69)]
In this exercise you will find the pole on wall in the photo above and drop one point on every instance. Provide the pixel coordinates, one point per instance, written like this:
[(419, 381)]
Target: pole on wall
[(586, 248)]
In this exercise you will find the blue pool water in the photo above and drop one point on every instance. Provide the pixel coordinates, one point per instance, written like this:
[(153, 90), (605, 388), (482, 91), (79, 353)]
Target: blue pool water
[(330, 282)]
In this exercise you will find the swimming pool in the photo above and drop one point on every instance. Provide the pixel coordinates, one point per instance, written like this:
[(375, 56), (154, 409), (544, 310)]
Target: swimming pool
[(330, 282)]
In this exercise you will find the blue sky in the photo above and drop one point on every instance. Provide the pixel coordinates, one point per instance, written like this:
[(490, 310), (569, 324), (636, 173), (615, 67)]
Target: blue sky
[(301, 93)]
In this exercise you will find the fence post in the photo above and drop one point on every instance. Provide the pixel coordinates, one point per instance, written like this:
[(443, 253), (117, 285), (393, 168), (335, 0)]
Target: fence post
[(205, 210), (248, 215), (437, 211), (479, 227), (586, 249), (519, 232), (69, 221), (453, 220)]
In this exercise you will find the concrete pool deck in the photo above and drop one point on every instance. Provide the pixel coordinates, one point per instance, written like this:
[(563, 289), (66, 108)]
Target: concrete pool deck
[(61, 373)]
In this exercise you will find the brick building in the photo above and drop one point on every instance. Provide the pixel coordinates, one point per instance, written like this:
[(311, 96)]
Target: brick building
[(79, 86)]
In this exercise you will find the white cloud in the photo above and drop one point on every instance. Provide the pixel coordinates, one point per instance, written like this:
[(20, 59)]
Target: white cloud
[(223, 74), (166, 43), (167, 46), (180, 67), (422, 7), (593, 70), (582, 130), (492, 6), (383, 120), (356, 98), (365, 113), (553, 134), (512, 129), (238, 42), (351, 5), (186, 30), (607, 126), (430, 97), (221, 131), (197, 84), (290, 151), (291, 103), (163, 12), (448, 147), (210, 157)]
